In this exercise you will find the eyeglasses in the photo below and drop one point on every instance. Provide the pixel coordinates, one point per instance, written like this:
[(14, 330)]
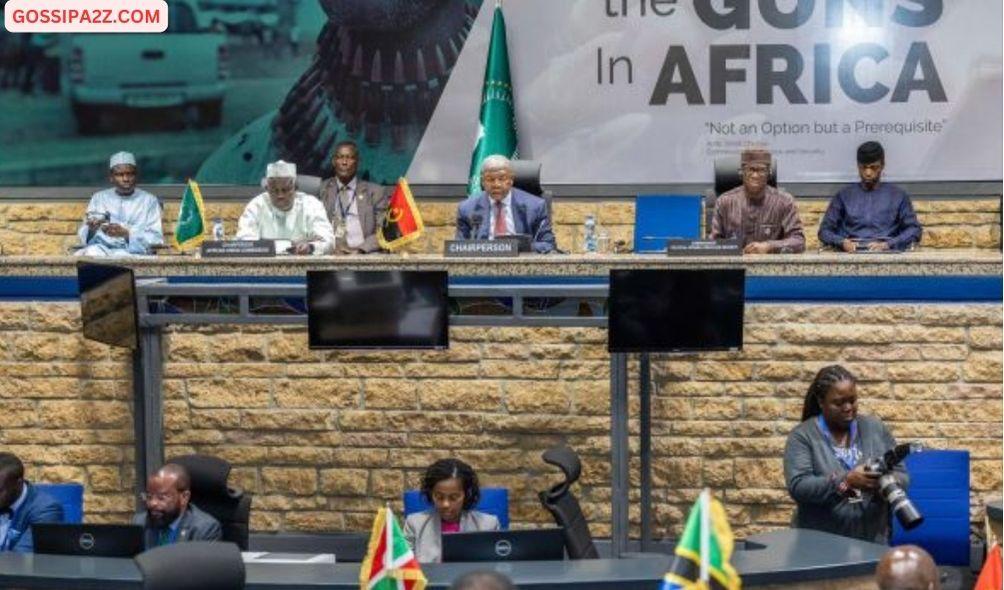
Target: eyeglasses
[(755, 170)]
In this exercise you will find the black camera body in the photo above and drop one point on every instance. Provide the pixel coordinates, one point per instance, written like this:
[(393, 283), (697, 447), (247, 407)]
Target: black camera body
[(890, 490)]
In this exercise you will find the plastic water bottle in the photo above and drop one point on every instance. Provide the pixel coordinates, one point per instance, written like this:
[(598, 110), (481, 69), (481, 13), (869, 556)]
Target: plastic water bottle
[(219, 234), (590, 235)]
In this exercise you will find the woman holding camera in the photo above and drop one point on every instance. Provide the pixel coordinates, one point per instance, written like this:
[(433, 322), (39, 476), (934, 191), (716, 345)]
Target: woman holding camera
[(824, 461)]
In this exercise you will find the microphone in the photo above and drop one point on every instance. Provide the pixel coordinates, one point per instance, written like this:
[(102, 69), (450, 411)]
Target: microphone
[(476, 219)]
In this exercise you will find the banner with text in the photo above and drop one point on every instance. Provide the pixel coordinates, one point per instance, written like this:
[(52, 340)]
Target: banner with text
[(652, 91)]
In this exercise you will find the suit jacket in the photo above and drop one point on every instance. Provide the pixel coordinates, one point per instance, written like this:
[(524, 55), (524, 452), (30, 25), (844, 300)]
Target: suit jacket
[(37, 507), (195, 525), (424, 531), (371, 201), (529, 215)]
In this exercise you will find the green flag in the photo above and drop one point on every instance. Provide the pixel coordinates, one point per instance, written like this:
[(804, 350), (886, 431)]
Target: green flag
[(191, 218), (704, 551), (497, 128)]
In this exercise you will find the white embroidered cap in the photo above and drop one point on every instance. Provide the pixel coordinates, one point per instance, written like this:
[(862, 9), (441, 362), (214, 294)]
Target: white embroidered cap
[(120, 158), (281, 169)]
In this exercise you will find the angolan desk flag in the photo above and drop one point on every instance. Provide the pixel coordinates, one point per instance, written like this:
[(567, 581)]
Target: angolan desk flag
[(403, 222), (191, 218), (703, 551), (390, 563), (497, 122)]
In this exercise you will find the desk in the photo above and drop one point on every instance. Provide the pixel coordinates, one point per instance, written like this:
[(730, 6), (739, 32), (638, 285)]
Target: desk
[(786, 557), (925, 276)]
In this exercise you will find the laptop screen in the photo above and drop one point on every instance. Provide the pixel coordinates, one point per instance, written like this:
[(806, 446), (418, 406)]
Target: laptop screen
[(524, 545)]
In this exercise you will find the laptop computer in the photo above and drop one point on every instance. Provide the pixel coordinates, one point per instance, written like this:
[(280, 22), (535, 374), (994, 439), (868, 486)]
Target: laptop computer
[(525, 545), (95, 540)]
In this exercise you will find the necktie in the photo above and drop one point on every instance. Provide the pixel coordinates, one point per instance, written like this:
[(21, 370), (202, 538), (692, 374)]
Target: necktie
[(499, 229)]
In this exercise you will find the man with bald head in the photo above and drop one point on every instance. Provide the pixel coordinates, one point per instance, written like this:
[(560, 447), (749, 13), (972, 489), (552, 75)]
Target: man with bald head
[(500, 210), (170, 517), (764, 219), (907, 567)]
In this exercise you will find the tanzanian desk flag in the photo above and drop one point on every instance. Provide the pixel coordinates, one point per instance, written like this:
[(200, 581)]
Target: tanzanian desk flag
[(191, 218), (403, 222), (703, 551), (497, 128), (390, 563)]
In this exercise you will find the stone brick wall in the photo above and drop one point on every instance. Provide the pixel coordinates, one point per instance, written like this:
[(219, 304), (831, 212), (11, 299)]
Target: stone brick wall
[(323, 438), (66, 405), (50, 228)]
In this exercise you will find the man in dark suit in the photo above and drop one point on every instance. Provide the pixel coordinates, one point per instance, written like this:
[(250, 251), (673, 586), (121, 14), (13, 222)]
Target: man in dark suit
[(355, 207), (502, 210), (21, 505), (170, 517)]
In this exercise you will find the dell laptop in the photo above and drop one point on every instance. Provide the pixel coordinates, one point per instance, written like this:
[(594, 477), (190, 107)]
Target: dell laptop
[(95, 540), (525, 545)]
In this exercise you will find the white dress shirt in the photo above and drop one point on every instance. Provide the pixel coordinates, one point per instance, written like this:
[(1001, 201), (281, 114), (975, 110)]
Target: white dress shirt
[(354, 237), (510, 225)]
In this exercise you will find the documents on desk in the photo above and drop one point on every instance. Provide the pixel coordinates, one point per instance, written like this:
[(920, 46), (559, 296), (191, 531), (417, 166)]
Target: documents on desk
[(273, 557)]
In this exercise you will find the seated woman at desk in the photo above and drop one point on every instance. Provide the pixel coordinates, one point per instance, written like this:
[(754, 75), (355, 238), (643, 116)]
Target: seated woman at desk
[(823, 461), (451, 486)]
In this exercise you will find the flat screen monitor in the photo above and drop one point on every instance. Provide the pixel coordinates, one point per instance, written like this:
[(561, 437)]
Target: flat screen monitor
[(108, 304), (676, 310), (377, 309)]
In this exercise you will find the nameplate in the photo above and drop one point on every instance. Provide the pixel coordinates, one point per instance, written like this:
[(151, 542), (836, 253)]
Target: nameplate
[(238, 249), (703, 248), (480, 248)]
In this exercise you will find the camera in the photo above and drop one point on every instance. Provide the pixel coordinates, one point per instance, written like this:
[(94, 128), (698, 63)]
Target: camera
[(908, 515)]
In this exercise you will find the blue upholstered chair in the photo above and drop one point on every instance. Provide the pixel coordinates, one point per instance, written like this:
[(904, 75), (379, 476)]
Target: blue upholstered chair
[(493, 501), (939, 488), (70, 495), (658, 218)]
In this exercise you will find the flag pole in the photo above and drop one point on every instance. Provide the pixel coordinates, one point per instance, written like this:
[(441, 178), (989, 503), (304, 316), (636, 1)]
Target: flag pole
[(705, 535)]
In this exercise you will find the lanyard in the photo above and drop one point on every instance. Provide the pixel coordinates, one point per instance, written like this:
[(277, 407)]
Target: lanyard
[(338, 199), (849, 458)]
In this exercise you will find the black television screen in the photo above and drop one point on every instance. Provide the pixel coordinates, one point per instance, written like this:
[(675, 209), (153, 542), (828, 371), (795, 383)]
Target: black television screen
[(108, 304), (377, 309), (676, 310)]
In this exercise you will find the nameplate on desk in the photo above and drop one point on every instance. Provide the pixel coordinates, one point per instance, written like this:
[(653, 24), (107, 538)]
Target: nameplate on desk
[(703, 248), (481, 248), (238, 249)]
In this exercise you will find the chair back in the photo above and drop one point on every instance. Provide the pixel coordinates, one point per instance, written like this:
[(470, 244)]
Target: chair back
[(192, 566), (658, 218), (565, 508), (939, 488), (232, 507), (494, 501), (69, 495), (309, 184), (727, 175)]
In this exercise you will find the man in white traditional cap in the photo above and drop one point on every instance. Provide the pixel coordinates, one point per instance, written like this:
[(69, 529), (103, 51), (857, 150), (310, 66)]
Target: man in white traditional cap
[(122, 220), (296, 221)]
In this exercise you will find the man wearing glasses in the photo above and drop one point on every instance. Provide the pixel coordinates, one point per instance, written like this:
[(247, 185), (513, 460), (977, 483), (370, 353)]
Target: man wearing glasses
[(764, 219), (170, 517)]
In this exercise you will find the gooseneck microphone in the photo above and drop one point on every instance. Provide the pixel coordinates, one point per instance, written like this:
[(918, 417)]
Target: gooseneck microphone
[(476, 219)]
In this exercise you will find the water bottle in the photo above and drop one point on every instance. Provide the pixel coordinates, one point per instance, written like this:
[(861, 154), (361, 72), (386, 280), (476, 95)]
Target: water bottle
[(219, 234), (590, 235)]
